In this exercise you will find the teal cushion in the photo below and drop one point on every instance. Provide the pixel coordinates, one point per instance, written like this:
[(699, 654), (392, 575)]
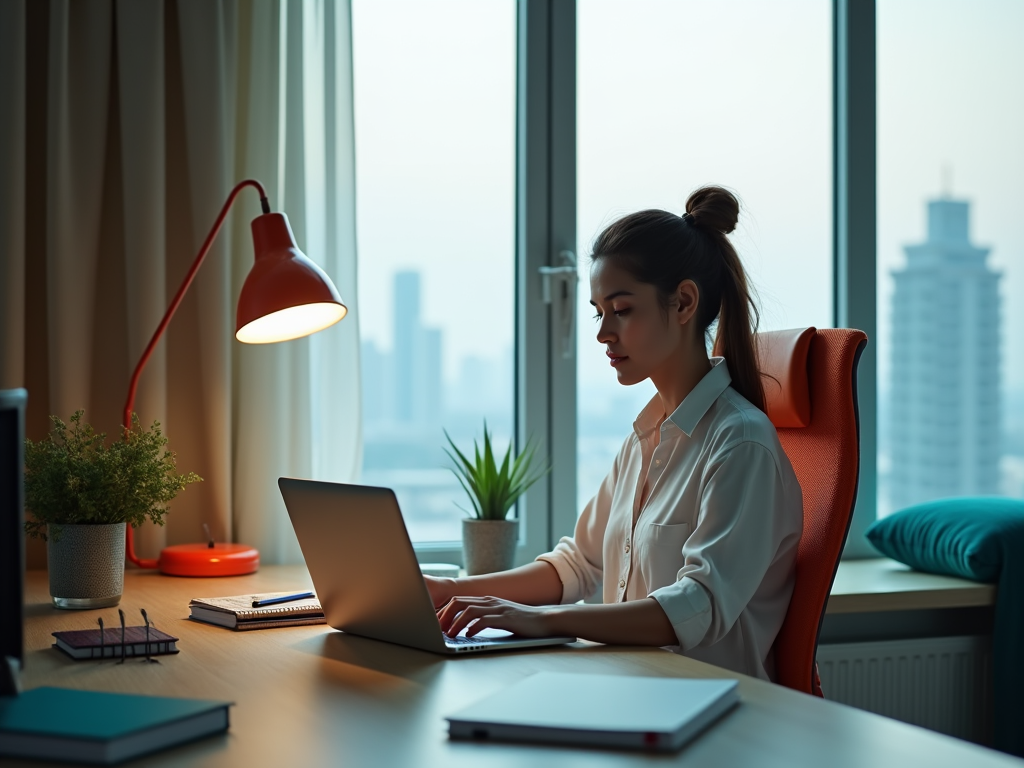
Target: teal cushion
[(964, 537), (979, 538)]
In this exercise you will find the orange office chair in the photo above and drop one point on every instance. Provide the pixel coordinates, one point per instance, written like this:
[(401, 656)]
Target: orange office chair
[(813, 404)]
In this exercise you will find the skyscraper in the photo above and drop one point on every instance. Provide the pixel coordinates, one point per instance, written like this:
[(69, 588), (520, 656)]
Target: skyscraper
[(428, 402), (406, 313), (416, 359), (945, 384)]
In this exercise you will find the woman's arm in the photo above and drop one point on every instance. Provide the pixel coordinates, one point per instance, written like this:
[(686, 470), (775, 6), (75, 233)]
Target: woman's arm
[(532, 584), (637, 622)]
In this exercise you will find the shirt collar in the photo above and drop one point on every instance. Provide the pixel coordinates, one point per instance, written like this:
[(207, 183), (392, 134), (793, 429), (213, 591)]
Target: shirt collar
[(694, 405)]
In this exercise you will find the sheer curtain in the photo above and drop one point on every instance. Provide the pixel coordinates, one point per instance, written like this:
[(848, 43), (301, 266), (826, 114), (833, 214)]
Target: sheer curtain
[(311, 146), (131, 121)]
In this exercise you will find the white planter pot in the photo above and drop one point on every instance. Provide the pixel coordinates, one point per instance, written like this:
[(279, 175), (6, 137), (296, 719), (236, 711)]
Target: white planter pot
[(489, 545), (86, 565)]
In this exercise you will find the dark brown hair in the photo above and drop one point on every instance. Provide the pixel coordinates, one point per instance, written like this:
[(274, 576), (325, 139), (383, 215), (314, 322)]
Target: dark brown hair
[(662, 249)]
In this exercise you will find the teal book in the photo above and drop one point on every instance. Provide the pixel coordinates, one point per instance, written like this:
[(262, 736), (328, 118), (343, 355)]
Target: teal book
[(101, 728)]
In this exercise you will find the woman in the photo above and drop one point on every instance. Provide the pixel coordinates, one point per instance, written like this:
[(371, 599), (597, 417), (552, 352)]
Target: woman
[(693, 533)]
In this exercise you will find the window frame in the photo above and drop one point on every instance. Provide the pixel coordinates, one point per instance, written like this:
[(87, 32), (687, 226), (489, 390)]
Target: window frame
[(855, 233), (545, 380)]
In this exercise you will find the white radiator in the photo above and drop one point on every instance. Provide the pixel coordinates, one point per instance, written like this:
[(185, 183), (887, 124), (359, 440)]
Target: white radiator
[(941, 683)]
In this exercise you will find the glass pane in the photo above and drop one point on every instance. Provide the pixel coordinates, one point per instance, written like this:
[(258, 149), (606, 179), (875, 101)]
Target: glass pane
[(674, 94), (435, 156), (950, 247)]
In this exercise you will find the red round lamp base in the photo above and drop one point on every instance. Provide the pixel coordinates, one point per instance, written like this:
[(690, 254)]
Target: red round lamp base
[(204, 560)]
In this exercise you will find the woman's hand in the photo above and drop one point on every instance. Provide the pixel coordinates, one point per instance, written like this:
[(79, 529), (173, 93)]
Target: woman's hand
[(636, 622), (496, 613), (441, 590)]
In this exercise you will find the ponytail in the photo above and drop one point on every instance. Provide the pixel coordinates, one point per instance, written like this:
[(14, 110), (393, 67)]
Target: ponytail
[(663, 249), (716, 211)]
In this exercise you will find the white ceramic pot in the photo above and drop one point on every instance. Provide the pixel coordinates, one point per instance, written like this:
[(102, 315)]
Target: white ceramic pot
[(489, 545), (86, 565)]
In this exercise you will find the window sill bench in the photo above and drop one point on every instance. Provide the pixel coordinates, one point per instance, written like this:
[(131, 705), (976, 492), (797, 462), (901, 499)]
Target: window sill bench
[(881, 584)]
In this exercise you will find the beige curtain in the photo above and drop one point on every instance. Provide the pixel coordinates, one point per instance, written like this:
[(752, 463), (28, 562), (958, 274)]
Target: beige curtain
[(132, 121)]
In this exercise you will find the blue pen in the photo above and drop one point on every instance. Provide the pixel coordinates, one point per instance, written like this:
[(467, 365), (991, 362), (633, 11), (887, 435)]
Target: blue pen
[(282, 599)]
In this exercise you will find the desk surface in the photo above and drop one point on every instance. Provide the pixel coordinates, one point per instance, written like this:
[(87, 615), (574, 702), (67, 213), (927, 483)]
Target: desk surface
[(313, 696)]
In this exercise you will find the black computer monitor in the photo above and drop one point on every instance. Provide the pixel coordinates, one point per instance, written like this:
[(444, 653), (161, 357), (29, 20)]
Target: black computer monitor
[(12, 534)]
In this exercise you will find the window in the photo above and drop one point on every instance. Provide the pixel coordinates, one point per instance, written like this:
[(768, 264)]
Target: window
[(950, 251), (673, 95), (670, 95), (435, 95)]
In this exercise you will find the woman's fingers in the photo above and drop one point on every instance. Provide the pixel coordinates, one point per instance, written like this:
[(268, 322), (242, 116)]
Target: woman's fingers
[(486, 621), (447, 614), (457, 605), (487, 612), (468, 614)]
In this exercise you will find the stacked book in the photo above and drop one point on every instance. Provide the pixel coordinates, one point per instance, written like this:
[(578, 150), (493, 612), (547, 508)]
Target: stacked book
[(238, 613), (90, 727)]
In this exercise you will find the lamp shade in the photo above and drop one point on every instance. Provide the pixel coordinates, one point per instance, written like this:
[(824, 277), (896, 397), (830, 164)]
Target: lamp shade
[(285, 295)]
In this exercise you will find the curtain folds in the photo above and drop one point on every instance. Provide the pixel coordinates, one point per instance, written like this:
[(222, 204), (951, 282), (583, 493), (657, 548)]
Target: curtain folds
[(13, 140), (152, 110)]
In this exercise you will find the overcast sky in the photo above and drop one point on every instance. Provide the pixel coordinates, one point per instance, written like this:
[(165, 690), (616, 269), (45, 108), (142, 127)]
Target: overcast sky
[(671, 95)]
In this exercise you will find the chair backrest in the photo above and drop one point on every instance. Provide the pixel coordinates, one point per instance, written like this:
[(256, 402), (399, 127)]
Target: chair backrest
[(812, 402)]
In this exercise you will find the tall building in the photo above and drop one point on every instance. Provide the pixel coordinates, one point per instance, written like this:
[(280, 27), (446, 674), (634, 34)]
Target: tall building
[(416, 358), (406, 313), (946, 365), (428, 395)]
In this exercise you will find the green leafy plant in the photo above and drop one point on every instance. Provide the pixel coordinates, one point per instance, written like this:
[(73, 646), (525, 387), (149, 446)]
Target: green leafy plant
[(71, 477), (493, 490)]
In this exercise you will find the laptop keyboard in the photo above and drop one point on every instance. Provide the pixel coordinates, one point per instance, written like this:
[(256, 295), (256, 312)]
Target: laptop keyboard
[(461, 640), (486, 636)]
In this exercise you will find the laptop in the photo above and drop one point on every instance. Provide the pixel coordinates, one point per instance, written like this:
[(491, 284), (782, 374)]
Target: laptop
[(365, 571), (662, 714)]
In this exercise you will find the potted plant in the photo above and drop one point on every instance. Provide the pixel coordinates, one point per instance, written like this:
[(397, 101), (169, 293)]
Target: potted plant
[(81, 494), (488, 538)]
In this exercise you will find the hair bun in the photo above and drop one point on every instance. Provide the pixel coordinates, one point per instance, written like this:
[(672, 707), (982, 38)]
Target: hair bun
[(714, 208)]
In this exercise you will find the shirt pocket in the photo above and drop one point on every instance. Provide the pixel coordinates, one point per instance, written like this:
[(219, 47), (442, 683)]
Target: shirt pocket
[(664, 554)]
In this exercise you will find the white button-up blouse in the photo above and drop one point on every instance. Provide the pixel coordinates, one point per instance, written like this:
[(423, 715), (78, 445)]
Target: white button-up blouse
[(714, 538)]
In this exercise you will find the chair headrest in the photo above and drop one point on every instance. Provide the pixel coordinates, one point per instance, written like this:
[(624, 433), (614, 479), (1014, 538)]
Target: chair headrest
[(783, 356)]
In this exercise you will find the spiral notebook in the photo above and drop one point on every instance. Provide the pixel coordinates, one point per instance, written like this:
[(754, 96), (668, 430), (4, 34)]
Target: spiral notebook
[(236, 612), (107, 644)]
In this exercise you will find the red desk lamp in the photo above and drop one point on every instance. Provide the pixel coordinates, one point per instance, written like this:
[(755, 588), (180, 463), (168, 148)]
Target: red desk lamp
[(285, 296)]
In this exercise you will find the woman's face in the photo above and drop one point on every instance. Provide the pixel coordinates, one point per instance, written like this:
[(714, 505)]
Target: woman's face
[(641, 339)]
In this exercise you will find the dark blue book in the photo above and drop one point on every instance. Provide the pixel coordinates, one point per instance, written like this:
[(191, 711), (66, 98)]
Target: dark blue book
[(101, 728)]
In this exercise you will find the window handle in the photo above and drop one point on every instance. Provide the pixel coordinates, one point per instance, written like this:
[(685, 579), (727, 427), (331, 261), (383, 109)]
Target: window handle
[(567, 277)]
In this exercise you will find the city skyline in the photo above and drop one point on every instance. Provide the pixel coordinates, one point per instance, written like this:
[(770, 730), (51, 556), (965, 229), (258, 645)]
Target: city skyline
[(436, 194), (408, 400)]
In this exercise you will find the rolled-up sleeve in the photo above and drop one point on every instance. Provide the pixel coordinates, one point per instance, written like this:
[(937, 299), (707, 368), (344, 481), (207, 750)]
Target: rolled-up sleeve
[(579, 560), (743, 523)]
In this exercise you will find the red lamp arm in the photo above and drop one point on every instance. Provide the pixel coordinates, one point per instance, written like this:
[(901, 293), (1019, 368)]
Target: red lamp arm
[(129, 403)]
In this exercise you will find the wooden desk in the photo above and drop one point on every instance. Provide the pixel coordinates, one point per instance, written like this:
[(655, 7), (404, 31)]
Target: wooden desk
[(310, 696)]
